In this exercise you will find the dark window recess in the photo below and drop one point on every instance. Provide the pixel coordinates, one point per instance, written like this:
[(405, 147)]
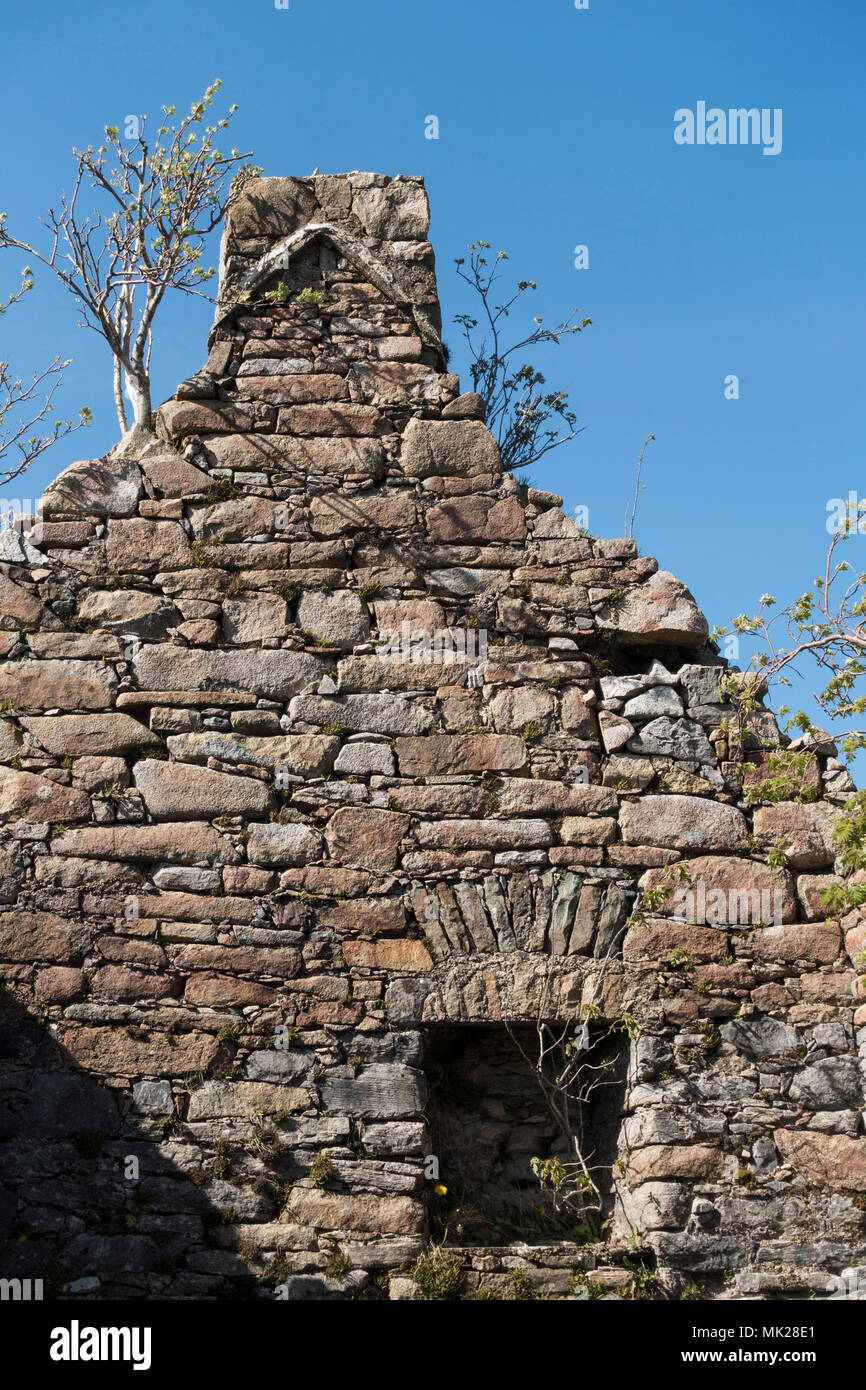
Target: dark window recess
[(488, 1117)]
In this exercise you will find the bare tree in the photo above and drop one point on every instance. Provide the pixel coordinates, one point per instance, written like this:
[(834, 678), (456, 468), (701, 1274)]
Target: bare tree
[(526, 420), (158, 203), (26, 405)]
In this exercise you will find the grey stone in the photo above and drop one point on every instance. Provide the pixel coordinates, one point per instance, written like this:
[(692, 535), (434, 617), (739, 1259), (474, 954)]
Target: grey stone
[(397, 211), (655, 1206), (123, 611), (683, 822), (362, 759), (183, 791), (277, 1064), (675, 738), (702, 684), (620, 687), (653, 703), (60, 1104), (448, 448), (378, 1091), (284, 845), (340, 618), (374, 714), (185, 879), (277, 674), (153, 1097), (760, 1036), (95, 487), (832, 1084), (275, 366)]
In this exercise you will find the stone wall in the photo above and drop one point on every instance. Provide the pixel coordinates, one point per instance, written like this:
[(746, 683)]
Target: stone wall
[(265, 829)]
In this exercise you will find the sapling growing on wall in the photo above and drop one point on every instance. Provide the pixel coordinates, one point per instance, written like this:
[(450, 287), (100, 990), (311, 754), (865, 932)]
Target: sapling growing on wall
[(156, 203), (525, 417), (824, 627), (574, 1058)]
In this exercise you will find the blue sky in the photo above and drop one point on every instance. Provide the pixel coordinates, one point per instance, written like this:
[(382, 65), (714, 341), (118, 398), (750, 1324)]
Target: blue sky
[(555, 129)]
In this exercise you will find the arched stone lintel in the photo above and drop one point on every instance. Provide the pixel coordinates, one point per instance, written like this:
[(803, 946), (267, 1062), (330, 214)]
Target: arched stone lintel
[(281, 256)]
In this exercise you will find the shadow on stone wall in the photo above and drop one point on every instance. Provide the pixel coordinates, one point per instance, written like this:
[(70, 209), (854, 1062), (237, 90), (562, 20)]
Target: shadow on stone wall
[(69, 1213)]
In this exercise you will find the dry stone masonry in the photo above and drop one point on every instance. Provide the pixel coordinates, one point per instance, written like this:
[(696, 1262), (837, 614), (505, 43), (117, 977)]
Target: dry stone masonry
[(326, 752)]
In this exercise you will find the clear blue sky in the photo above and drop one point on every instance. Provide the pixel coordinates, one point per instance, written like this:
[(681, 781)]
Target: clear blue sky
[(556, 128)]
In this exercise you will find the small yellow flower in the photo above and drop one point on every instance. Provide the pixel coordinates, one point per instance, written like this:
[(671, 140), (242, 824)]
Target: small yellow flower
[(440, 1189)]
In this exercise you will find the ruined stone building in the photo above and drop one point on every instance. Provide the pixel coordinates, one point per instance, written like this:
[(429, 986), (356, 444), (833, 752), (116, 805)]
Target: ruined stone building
[(333, 761)]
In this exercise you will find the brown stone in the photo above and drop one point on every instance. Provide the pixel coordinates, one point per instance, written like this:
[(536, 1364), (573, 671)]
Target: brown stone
[(143, 547), (84, 734), (366, 839), (428, 757), (807, 941), (178, 790), (576, 715), (299, 389), (394, 383), (384, 915), (826, 988), (59, 984), (131, 949), (388, 954), (112, 1051), (18, 605), (333, 458), (174, 477), (804, 832), (38, 936), (661, 610), (810, 889), (824, 1160), (326, 881), (741, 880), (177, 419), (188, 842), (117, 982), (333, 1211), (236, 520), (657, 940), (362, 421), (24, 796), (226, 991), (72, 685), (663, 1162), (474, 518), (587, 830), (282, 962), (339, 515)]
